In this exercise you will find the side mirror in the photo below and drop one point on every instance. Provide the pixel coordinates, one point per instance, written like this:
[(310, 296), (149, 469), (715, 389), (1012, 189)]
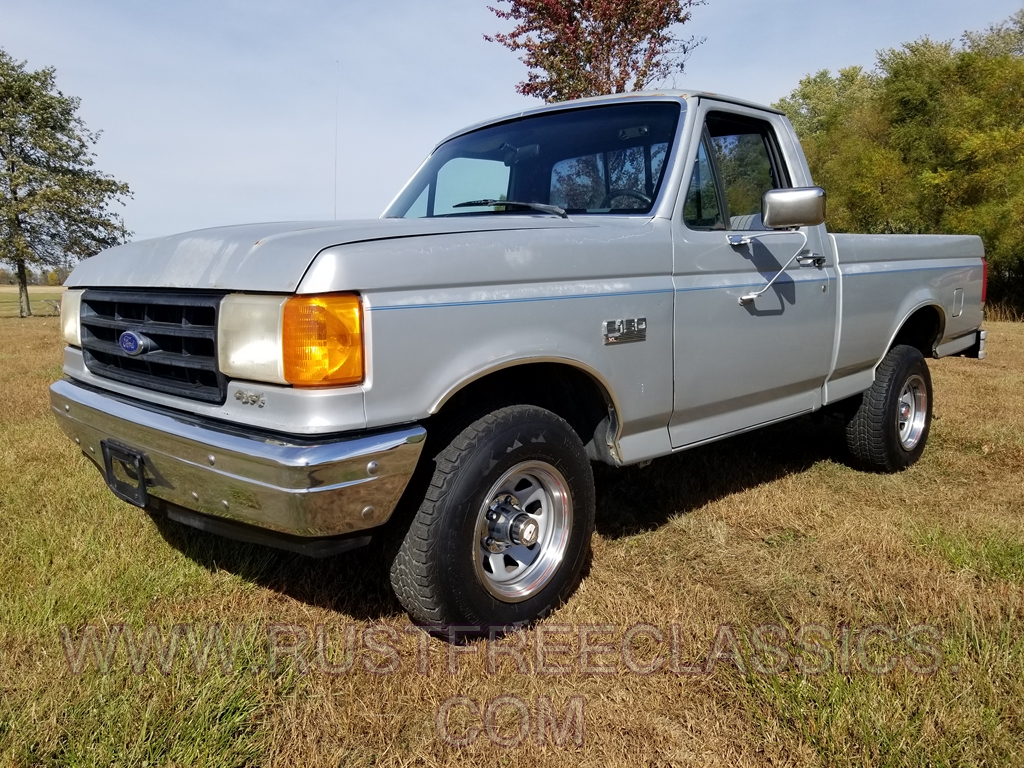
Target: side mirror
[(788, 208)]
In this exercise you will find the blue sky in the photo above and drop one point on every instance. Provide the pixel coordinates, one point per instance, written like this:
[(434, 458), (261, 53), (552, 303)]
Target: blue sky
[(223, 111)]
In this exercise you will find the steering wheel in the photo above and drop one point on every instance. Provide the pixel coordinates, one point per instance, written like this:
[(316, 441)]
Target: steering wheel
[(614, 193)]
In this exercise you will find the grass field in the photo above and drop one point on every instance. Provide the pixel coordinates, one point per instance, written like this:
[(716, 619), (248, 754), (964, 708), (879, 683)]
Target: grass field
[(37, 295), (895, 604)]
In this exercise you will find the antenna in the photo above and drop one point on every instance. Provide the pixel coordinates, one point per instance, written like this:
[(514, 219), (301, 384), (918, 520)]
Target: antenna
[(337, 86)]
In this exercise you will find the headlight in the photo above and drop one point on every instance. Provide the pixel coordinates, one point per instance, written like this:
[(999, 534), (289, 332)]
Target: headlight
[(249, 337), (71, 317), (299, 340)]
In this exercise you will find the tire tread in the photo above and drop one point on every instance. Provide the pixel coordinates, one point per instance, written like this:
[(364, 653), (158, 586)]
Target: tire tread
[(869, 435)]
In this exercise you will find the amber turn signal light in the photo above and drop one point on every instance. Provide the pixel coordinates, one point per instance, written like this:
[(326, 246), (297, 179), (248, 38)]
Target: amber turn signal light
[(322, 340)]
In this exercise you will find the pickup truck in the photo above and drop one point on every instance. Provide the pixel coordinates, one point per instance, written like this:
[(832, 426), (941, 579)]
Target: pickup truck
[(603, 280)]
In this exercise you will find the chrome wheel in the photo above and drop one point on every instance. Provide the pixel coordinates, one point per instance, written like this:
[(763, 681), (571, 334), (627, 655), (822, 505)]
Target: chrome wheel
[(912, 412), (522, 531)]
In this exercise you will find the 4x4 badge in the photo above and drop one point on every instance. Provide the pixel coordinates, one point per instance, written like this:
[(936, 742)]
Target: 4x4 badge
[(248, 397)]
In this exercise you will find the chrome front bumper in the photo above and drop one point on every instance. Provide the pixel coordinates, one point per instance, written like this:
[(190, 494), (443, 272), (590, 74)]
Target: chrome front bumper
[(299, 486)]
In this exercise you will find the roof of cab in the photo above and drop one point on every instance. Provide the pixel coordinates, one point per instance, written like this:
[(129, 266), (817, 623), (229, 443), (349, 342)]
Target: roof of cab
[(665, 95)]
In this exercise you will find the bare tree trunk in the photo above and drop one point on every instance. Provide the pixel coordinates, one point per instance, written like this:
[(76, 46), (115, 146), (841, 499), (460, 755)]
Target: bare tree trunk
[(24, 307)]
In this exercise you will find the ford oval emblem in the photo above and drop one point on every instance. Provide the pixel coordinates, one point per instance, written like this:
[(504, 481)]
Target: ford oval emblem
[(132, 343)]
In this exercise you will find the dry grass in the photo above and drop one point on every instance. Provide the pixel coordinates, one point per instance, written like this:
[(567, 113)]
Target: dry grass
[(769, 528), (1003, 313)]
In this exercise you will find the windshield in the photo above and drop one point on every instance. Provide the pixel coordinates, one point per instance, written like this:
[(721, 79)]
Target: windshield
[(607, 159)]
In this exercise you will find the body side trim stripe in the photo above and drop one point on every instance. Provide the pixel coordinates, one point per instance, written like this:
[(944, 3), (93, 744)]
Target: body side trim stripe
[(518, 300), (525, 299)]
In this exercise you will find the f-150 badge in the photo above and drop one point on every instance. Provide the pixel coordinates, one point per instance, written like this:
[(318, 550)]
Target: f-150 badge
[(625, 331)]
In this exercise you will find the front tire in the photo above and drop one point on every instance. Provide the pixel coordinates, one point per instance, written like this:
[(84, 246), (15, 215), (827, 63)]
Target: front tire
[(504, 531), (888, 432)]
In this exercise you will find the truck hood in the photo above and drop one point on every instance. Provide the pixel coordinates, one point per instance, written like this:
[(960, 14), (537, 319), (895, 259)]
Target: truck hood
[(265, 257)]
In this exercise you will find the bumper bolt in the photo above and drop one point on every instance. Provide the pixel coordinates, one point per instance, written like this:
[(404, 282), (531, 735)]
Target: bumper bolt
[(371, 468), (367, 512), (211, 459)]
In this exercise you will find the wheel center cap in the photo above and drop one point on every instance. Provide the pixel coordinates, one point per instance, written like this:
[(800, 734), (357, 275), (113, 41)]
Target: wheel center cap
[(525, 530), (904, 410), (508, 525)]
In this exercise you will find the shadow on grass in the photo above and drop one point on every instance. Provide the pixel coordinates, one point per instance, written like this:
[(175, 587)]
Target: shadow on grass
[(636, 499), (354, 583), (629, 501)]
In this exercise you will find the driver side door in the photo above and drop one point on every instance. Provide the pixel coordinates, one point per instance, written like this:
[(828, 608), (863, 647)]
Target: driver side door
[(736, 365)]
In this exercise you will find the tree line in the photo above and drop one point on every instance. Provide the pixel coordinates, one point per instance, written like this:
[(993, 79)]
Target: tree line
[(930, 141), (42, 277)]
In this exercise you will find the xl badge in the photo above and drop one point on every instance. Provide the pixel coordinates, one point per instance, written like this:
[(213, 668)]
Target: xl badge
[(625, 331), (133, 343)]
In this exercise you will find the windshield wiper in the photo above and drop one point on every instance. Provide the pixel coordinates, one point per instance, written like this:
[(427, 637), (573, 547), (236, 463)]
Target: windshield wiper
[(553, 209)]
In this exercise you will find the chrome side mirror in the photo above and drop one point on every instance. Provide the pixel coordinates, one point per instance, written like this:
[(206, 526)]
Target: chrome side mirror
[(788, 208)]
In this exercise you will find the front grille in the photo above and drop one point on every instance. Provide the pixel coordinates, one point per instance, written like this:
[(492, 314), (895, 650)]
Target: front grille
[(180, 334)]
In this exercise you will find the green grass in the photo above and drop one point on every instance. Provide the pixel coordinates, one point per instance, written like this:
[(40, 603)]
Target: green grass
[(37, 294), (993, 555)]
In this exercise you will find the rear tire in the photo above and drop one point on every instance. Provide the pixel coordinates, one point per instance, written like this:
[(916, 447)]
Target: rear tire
[(504, 531), (888, 431)]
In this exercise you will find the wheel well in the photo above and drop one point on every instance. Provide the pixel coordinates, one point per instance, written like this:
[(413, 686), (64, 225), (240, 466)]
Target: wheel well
[(562, 389), (921, 330)]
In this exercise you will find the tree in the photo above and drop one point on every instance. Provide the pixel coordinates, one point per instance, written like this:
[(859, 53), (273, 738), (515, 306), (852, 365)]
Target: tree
[(577, 48), (54, 206), (931, 141)]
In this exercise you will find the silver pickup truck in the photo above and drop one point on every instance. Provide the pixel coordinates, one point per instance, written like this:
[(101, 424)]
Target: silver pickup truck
[(610, 279)]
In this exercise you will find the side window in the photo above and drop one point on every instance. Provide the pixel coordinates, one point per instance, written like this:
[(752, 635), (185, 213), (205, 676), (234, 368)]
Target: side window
[(702, 210), (468, 178), (744, 153)]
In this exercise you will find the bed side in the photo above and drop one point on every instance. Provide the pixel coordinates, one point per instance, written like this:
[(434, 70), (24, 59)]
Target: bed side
[(926, 285)]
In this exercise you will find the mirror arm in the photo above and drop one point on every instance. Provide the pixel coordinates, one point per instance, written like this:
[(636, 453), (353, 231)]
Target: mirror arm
[(736, 240)]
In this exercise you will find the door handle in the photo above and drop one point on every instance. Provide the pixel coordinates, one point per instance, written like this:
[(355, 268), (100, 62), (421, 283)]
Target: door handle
[(815, 259)]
